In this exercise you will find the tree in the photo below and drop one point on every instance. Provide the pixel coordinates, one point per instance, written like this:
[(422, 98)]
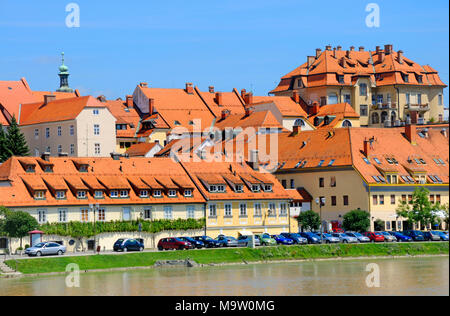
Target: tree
[(420, 210), (309, 220), (357, 221), (4, 151), (379, 225), (18, 224), (15, 140)]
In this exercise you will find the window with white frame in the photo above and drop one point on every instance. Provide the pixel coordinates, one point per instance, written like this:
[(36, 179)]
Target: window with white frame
[(239, 188), (48, 149), (62, 215), (283, 209), (440, 100), (81, 194), (72, 130), (72, 149), (172, 193), (59, 129), (258, 209), (143, 193), (39, 195), (84, 215), (42, 216), (157, 193), (255, 187), (220, 188), (47, 132), (60, 195), (228, 210), (59, 149), (97, 149), (114, 194), (243, 209), (168, 212), (188, 193), (95, 111), (148, 213), (212, 210), (272, 209), (123, 193), (101, 215), (268, 188), (96, 129), (212, 188), (36, 133), (98, 194), (190, 209)]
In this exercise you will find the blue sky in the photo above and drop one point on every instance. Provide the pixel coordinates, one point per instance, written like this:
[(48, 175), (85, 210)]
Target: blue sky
[(243, 44)]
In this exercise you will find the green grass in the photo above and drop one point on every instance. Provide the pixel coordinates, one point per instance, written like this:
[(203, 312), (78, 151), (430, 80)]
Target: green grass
[(218, 256)]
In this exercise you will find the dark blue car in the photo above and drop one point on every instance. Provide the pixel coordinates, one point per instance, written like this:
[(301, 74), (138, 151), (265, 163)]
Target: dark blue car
[(209, 242), (415, 235), (312, 238), (281, 240), (444, 236), (296, 238), (196, 243), (125, 245), (400, 237)]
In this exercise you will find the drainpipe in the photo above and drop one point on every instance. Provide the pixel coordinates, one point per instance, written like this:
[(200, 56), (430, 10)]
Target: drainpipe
[(398, 102)]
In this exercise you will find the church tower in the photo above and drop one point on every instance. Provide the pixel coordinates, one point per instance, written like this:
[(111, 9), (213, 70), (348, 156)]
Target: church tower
[(64, 77)]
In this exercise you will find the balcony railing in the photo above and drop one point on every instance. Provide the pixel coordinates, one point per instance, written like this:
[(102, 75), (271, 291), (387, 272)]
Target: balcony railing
[(385, 105), (418, 107)]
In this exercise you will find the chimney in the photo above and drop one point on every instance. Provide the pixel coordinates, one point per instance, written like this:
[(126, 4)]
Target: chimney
[(101, 98), (115, 156), (334, 53), (45, 156), (151, 106), (295, 96), (413, 115), (342, 62), (328, 47), (224, 114), (410, 133), (189, 88), (318, 52), (296, 130), (143, 85), (49, 98), (388, 49), (368, 147), (361, 48), (248, 111), (211, 89), (315, 108), (219, 98), (352, 48), (243, 93), (380, 57), (248, 98), (339, 48), (378, 49), (129, 101), (400, 57), (310, 60), (347, 54), (254, 159)]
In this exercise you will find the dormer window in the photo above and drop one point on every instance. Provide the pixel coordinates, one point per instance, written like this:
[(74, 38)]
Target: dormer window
[(39, 195), (143, 193), (98, 194), (392, 179), (188, 193), (172, 193), (124, 194), (60, 195), (268, 188), (255, 187), (212, 188), (114, 194), (157, 193), (83, 168), (220, 188), (239, 188), (405, 78), (30, 169), (81, 195), (48, 169)]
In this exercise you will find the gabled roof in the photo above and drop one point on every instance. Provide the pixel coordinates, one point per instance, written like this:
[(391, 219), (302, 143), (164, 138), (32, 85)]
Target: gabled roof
[(337, 112), (124, 115), (230, 101), (55, 111), (12, 94), (256, 120), (140, 149), (286, 106)]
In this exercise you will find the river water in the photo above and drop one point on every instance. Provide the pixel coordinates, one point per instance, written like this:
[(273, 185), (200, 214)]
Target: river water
[(405, 276)]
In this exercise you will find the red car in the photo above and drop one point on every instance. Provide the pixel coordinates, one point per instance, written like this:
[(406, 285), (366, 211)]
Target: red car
[(374, 237), (173, 244)]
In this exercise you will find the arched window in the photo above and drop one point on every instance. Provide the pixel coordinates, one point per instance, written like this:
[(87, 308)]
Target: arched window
[(299, 122), (375, 118), (384, 116), (346, 123)]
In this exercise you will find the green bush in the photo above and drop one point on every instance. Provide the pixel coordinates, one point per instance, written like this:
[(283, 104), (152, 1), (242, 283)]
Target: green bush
[(80, 230)]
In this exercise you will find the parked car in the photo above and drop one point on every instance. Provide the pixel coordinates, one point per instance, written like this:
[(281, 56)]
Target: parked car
[(415, 235), (329, 239), (443, 235), (196, 243), (127, 244), (228, 241), (361, 238), (266, 240), (374, 237), (388, 237), (244, 241), (400, 237), (431, 236), (281, 240), (345, 238), (311, 237), (174, 244), (209, 242), (46, 249), (296, 238)]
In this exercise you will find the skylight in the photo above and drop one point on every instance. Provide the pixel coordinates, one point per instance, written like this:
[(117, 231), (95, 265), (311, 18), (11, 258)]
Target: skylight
[(366, 160), (321, 163), (377, 161), (298, 164), (331, 162)]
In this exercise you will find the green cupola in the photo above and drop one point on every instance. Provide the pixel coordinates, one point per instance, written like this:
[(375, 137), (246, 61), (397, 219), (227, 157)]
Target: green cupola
[(64, 77)]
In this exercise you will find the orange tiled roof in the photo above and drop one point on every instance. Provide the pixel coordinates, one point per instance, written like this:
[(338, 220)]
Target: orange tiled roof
[(219, 101), (382, 68), (263, 119), (337, 112), (124, 115), (12, 94), (286, 106), (140, 149)]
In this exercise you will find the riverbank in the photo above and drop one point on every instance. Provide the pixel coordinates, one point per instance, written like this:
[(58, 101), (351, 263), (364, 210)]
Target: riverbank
[(228, 256)]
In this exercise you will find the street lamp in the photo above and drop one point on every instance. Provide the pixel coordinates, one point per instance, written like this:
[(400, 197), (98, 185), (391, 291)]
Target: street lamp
[(95, 208), (320, 202)]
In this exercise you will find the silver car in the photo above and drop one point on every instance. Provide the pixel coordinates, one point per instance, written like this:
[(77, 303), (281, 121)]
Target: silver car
[(46, 249), (345, 238), (244, 241), (388, 237), (361, 238), (228, 241), (329, 239)]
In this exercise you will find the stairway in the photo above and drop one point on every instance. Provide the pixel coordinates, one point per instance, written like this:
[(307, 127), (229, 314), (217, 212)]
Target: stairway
[(6, 270)]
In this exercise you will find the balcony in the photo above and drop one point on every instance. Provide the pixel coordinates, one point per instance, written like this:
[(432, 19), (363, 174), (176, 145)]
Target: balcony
[(385, 106), (418, 107)]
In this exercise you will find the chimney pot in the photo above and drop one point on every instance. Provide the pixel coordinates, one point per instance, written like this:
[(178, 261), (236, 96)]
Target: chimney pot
[(243, 93), (361, 48), (368, 147), (328, 47), (352, 48), (339, 48), (144, 85), (211, 89), (310, 60), (296, 130), (248, 98), (248, 111), (225, 114), (219, 98), (254, 159), (388, 49), (380, 57), (410, 133), (400, 56), (129, 101), (45, 156), (315, 108), (318, 52), (151, 106), (189, 88)]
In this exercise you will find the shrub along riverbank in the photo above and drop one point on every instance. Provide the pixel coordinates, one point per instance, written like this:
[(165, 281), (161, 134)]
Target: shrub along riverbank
[(231, 255)]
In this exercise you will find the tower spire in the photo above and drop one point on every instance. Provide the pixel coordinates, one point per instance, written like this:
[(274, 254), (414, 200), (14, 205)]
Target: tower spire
[(64, 77)]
